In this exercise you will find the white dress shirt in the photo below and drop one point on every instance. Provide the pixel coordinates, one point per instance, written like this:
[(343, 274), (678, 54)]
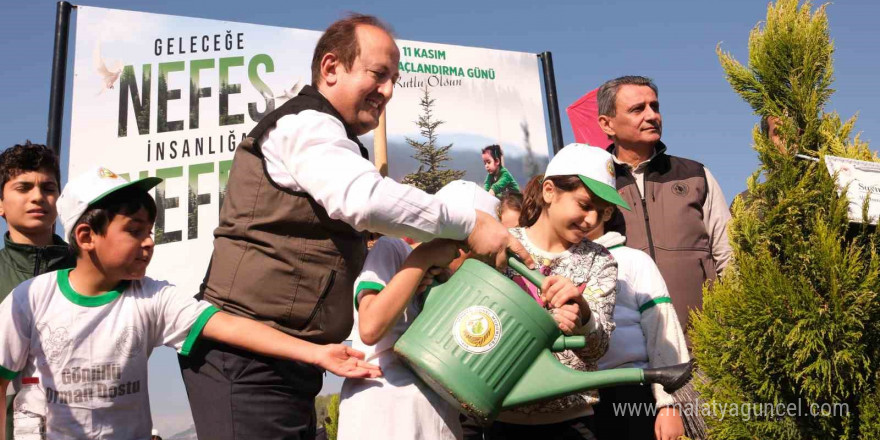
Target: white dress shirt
[(310, 152)]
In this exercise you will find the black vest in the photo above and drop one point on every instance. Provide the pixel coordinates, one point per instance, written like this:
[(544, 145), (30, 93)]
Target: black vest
[(278, 257), (667, 223)]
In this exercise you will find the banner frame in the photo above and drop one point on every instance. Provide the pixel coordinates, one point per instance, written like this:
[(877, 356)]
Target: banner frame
[(59, 76), (552, 102)]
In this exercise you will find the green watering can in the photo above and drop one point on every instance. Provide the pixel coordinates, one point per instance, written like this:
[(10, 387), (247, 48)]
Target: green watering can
[(484, 345)]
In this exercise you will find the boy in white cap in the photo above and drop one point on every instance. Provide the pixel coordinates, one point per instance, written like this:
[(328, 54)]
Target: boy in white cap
[(387, 298), (86, 333)]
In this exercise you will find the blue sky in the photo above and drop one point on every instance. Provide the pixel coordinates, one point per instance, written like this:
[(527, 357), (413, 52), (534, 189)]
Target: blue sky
[(672, 42)]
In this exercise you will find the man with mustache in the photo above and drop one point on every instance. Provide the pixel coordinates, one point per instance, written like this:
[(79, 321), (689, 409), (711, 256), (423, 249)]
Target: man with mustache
[(290, 241), (679, 216)]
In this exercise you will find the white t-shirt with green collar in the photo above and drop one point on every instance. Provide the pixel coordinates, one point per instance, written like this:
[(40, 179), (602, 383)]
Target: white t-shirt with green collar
[(91, 352)]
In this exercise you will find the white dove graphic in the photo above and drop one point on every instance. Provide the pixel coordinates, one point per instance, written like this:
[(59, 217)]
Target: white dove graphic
[(291, 92), (108, 75)]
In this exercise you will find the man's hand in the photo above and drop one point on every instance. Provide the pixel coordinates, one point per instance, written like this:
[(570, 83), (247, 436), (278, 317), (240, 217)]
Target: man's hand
[(490, 241), (437, 253), (344, 361), (668, 425)]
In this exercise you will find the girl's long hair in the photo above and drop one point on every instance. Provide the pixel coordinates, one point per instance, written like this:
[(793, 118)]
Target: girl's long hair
[(533, 199)]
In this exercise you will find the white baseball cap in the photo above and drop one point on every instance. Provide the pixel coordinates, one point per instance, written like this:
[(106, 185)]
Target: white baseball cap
[(593, 165), (469, 195), (89, 188)]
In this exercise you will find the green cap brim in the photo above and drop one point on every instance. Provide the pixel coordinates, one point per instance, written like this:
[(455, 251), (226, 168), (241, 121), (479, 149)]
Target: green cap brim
[(146, 184), (604, 192)]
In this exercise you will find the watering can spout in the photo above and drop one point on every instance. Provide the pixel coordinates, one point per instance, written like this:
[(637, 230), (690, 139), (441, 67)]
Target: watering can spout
[(548, 378), (672, 377)]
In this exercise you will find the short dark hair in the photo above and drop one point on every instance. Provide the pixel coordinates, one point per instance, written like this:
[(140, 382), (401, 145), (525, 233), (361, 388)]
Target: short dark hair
[(98, 216), (606, 97), (20, 159), (341, 39)]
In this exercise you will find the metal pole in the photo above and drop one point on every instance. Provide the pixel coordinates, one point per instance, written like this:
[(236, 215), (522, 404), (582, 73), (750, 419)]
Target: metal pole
[(59, 69), (552, 103)]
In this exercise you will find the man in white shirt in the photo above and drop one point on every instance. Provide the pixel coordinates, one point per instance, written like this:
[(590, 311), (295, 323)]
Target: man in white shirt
[(290, 244), (679, 216)]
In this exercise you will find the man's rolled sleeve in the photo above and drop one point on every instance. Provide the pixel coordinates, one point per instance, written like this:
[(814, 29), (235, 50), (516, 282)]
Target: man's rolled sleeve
[(309, 152), (716, 216)]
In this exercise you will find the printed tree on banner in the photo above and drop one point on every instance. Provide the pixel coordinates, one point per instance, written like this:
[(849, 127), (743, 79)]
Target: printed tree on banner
[(791, 333), (531, 166), (431, 175)]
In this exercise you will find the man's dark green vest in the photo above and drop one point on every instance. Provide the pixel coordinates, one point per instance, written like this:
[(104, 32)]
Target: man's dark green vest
[(278, 257), (667, 223)]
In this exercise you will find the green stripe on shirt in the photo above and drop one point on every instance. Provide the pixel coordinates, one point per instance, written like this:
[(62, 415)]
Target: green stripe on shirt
[(7, 374), (654, 302), (196, 330), (372, 285)]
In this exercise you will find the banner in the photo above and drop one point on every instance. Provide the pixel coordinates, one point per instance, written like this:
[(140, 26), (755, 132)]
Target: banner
[(172, 97), (863, 182)]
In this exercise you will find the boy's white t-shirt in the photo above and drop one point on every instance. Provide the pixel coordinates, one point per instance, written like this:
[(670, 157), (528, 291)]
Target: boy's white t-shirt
[(384, 260), (90, 352), (397, 405)]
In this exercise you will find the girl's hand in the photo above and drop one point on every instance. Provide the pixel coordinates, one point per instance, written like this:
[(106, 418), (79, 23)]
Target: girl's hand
[(567, 317), (558, 291), (668, 425), (344, 361)]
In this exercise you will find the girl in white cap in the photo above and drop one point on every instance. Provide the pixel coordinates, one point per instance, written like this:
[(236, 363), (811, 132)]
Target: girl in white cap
[(574, 196)]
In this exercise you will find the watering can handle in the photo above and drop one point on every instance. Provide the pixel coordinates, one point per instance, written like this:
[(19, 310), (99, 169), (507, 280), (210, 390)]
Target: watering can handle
[(533, 276)]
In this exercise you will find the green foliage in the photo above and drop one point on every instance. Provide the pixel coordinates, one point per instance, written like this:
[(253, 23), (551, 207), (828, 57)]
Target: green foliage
[(431, 175), (796, 319), (327, 412)]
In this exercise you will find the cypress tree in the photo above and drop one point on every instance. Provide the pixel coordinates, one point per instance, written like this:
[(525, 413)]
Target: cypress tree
[(793, 327)]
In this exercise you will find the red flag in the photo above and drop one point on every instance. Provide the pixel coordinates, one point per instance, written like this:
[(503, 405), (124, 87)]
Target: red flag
[(584, 118)]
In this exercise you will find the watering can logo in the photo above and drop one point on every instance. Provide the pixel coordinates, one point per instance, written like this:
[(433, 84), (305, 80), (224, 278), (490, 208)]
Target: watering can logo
[(477, 329), (455, 346)]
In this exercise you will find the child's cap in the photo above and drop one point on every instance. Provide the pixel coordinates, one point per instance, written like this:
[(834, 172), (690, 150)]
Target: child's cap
[(468, 195), (89, 188), (593, 165)]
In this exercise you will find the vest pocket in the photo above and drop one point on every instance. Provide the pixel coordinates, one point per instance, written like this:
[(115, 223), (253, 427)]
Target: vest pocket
[(327, 288), (708, 266)]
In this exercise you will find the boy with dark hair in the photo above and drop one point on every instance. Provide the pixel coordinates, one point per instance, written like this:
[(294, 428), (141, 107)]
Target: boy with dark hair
[(29, 182), (88, 332), (29, 186)]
